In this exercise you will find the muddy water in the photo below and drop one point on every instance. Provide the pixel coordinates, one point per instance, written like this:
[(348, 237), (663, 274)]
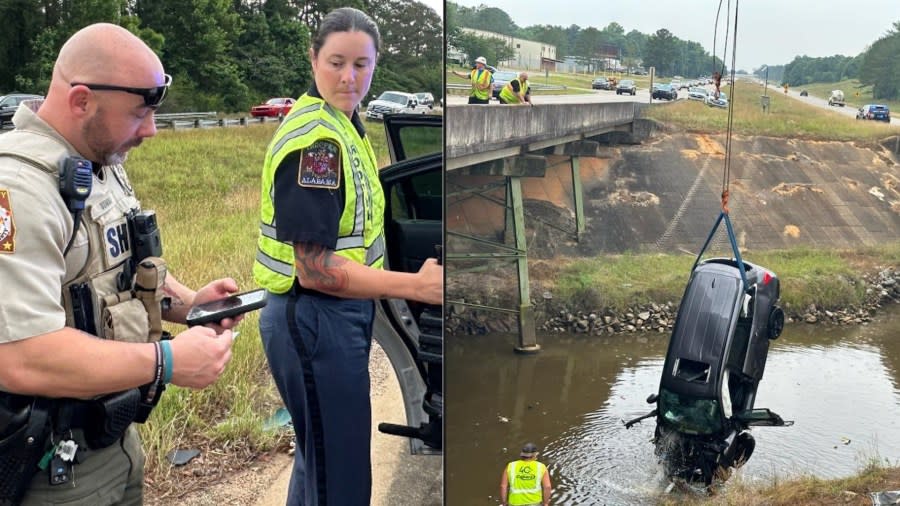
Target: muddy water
[(841, 386)]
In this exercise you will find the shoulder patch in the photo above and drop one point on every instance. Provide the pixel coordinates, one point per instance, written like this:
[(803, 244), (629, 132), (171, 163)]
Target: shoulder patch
[(320, 165), (7, 225)]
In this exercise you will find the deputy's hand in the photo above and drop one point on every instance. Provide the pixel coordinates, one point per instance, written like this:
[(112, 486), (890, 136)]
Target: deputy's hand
[(219, 289), (431, 282), (199, 356)]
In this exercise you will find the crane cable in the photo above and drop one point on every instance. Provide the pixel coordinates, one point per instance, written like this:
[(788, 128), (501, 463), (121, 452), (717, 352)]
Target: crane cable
[(726, 171), (717, 77)]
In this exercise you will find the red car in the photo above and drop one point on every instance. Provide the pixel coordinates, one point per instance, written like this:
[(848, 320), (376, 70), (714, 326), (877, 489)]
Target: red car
[(273, 108)]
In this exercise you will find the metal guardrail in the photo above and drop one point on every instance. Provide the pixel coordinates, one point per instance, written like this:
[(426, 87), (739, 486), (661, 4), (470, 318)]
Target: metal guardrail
[(204, 120)]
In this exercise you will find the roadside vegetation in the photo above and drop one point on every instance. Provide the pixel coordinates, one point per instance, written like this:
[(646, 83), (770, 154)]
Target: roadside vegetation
[(826, 278), (787, 117), (204, 186), (875, 476)]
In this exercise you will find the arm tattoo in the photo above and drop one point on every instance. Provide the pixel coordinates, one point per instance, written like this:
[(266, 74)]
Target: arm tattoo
[(176, 300), (321, 268)]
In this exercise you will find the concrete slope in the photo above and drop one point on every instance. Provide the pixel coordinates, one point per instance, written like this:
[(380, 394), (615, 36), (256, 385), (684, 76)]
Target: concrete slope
[(664, 195)]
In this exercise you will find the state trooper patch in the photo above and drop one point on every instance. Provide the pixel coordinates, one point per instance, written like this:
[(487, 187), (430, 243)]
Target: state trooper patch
[(320, 165), (7, 225)]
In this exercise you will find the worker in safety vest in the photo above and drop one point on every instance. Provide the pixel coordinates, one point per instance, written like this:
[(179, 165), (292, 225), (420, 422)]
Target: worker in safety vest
[(517, 91), (525, 482), (482, 82)]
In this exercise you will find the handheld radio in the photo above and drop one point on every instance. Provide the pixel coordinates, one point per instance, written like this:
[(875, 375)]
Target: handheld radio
[(75, 180)]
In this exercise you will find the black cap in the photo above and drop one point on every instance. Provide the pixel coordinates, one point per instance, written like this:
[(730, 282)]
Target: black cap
[(529, 450)]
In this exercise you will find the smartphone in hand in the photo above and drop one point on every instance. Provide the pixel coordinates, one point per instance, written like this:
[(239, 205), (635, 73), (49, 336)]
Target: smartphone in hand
[(233, 305)]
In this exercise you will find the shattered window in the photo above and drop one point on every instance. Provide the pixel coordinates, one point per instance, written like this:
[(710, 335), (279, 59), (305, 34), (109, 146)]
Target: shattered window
[(690, 415)]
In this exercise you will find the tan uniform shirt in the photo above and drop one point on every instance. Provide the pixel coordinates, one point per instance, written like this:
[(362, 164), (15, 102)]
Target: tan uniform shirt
[(36, 225)]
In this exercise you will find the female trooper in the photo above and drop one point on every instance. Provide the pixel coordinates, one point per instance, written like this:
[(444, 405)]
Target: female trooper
[(320, 256)]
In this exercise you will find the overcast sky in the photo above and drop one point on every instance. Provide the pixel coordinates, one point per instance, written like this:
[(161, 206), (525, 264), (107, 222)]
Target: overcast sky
[(769, 31)]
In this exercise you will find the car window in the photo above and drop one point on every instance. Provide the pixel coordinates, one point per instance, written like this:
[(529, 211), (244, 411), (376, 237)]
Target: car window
[(421, 141), (419, 197)]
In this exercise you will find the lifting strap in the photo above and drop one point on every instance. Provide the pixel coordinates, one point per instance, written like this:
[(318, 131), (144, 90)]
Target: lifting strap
[(726, 172)]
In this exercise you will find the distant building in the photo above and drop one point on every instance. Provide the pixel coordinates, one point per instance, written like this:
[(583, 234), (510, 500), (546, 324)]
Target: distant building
[(527, 54)]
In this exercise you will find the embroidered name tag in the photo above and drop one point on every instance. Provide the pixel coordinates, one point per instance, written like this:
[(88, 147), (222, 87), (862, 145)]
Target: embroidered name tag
[(320, 165), (7, 225)]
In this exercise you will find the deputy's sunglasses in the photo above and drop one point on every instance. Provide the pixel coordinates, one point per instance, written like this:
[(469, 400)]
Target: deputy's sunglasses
[(153, 97)]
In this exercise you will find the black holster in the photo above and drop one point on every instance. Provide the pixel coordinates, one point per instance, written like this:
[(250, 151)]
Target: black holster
[(26, 427), (109, 416)]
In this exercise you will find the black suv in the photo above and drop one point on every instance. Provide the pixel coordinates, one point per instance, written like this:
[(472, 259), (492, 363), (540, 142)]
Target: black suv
[(715, 361), (9, 104), (626, 86), (409, 331)]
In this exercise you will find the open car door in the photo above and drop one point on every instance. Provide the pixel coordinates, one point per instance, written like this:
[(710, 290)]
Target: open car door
[(411, 332)]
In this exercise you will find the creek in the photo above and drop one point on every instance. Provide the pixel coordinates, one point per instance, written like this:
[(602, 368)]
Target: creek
[(840, 386)]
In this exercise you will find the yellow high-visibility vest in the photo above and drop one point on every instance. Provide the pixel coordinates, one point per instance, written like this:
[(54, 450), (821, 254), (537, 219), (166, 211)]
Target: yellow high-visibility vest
[(361, 227), (482, 79), (509, 95), (525, 482)]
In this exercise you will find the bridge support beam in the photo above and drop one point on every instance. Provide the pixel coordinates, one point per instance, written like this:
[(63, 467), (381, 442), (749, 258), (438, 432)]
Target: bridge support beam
[(527, 339)]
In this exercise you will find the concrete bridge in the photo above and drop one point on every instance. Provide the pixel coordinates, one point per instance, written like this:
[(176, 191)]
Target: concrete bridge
[(489, 149)]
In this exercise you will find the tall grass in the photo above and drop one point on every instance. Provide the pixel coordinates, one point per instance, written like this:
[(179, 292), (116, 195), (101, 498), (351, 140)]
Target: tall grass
[(787, 117), (827, 279), (205, 188)]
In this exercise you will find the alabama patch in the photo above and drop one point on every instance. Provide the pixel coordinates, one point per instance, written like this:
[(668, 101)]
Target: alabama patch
[(7, 225), (320, 165)]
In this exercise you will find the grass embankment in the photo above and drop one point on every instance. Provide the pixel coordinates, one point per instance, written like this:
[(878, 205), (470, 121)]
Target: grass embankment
[(828, 279), (876, 476), (205, 186), (787, 117)]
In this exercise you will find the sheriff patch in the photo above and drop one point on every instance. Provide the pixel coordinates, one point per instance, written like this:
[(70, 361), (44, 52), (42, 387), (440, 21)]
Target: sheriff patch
[(320, 165), (7, 225)]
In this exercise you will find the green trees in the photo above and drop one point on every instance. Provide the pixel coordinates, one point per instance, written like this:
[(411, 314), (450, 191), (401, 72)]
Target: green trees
[(880, 66), (224, 55)]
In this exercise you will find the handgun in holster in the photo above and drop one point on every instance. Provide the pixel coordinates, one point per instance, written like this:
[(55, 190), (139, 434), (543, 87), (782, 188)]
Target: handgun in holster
[(24, 430)]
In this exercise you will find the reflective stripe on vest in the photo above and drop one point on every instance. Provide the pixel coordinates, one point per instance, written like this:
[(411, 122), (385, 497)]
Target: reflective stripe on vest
[(525, 482), (360, 230), (509, 95), (484, 78)]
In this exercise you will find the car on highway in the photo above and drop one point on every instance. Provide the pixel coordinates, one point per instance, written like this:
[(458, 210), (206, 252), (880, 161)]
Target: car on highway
[(664, 92), (394, 102), (273, 108), (426, 99), (697, 93), (721, 101), (409, 331), (9, 104), (602, 83), (626, 86), (876, 112)]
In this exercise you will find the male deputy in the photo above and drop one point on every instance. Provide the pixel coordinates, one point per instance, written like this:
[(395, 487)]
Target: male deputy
[(525, 482), (517, 91), (71, 275), (482, 82)]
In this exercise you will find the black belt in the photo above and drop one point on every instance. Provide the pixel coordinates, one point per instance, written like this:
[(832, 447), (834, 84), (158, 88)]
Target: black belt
[(298, 290)]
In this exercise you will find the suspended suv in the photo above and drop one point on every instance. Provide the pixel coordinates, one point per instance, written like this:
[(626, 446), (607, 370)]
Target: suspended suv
[(411, 332), (715, 361)]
